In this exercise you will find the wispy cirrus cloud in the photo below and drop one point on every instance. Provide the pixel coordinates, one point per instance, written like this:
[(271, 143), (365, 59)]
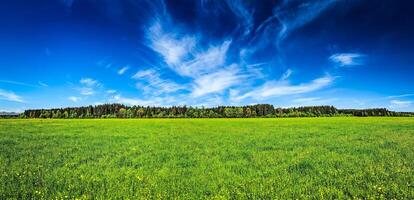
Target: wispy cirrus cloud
[(155, 101), (185, 56), (89, 82), (187, 51), (287, 74), (312, 101), (128, 101), (401, 95), (307, 99), (217, 81), (43, 84), (205, 62), (86, 91), (396, 104), (74, 99), (40, 84), (347, 59), (287, 17), (123, 70), (150, 81), (10, 96), (170, 45), (111, 91), (89, 86), (14, 110), (242, 13), (282, 88), (18, 83), (294, 14)]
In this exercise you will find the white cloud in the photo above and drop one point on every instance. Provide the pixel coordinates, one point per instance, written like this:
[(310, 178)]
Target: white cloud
[(74, 99), (206, 61), (10, 96), (217, 81), (123, 70), (293, 16), (86, 91), (111, 91), (143, 73), (281, 88), (210, 101), (43, 84), (14, 110), (172, 47), (305, 100), (288, 16), (402, 95), (154, 83), (156, 101), (395, 104), (89, 86), (241, 12), (128, 101), (312, 101), (183, 54), (347, 59), (206, 65), (18, 83), (89, 82), (287, 74)]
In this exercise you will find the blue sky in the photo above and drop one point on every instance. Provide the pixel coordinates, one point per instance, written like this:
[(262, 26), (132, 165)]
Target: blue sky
[(346, 53)]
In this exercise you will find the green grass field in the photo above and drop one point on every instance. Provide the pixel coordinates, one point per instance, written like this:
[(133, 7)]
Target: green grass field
[(207, 158)]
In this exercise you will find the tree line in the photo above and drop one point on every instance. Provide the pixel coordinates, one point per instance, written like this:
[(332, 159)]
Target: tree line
[(250, 111)]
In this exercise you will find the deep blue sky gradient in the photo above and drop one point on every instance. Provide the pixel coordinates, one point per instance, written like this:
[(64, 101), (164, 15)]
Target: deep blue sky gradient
[(346, 53)]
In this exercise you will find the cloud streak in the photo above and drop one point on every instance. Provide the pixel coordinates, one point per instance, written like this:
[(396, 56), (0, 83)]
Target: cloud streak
[(150, 81), (86, 91), (157, 101), (282, 88), (43, 84), (312, 101), (18, 83), (123, 70), (170, 46), (294, 14), (347, 59), (242, 13), (10, 96), (89, 82), (205, 62), (217, 81), (89, 86), (183, 54), (74, 99), (207, 65), (396, 104), (287, 74), (399, 96)]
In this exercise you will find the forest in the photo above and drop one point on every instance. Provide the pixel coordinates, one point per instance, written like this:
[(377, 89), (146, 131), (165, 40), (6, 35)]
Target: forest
[(250, 111)]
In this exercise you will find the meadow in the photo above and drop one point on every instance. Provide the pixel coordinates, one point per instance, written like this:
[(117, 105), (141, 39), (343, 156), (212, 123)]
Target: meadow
[(303, 158)]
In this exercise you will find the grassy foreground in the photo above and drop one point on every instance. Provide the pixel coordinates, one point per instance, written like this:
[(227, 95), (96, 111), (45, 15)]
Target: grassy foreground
[(207, 158)]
